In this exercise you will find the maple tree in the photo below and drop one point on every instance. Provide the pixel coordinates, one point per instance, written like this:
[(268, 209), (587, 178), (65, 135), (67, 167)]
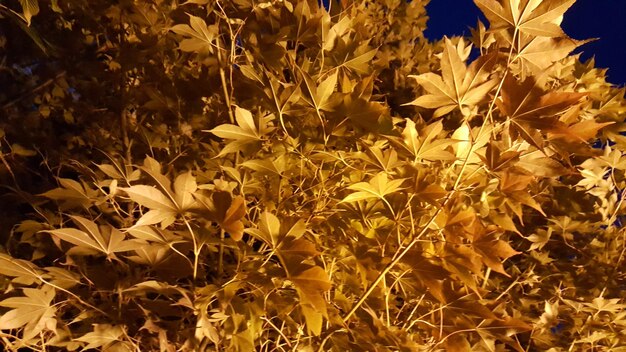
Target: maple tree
[(276, 175)]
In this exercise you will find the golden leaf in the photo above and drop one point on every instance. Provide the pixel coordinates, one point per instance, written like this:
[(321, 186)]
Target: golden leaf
[(458, 86)]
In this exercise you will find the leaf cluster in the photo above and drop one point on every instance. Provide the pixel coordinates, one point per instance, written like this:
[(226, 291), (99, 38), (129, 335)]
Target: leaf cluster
[(275, 175)]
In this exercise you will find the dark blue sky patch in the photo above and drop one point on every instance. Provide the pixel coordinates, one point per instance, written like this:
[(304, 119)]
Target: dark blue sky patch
[(452, 17), (606, 20)]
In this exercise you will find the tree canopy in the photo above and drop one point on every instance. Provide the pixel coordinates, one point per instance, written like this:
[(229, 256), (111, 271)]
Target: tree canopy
[(278, 175)]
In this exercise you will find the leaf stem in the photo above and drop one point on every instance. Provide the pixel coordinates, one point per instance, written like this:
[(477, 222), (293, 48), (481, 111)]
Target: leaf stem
[(196, 249)]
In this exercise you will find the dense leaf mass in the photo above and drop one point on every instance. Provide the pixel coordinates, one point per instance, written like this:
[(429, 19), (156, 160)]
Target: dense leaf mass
[(274, 175)]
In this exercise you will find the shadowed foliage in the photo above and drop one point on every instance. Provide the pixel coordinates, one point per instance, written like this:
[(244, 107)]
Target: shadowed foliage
[(278, 176)]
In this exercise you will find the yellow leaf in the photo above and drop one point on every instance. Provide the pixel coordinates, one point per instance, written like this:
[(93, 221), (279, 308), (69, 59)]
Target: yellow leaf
[(539, 18), (311, 283), (102, 335), (378, 187), (150, 197), (246, 121), (33, 309), (313, 318), (23, 271), (30, 8), (184, 187), (458, 86), (325, 90), (580, 132), (199, 36)]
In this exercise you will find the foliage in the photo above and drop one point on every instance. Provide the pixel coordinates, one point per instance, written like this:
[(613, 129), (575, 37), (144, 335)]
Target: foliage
[(273, 175)]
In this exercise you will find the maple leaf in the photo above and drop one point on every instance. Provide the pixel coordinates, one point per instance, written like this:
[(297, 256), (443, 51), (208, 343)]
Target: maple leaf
[(244, 133), (102, 335), (538, 53), (162, 209), (538, 18), (527, 101), (601, 304), (458, 86), (265, 166), (378, 187), (425, 144), (530, 109), (496, 160), (347, 54), (430, 193), (491, 248), (429, 272), (34, 310), (361, 62), (165, 204), (199, 36), (311, 282), (93, 239), (324, 91), (464, 262), (72, 193), (532, 29), (227, 211), (514, 185), (22, 271), (386, 160), (298, 248), (269, 229), (579, 132), (62, 278), (272, 232), (366, 114)]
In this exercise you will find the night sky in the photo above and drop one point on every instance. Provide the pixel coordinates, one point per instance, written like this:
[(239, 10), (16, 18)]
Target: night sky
[(603, 19)]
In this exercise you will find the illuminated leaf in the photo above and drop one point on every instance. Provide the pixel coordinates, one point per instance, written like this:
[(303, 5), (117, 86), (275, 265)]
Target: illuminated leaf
[(102, 335), (184, 187), (81, 239), (361, 62), (245, 130), (311, 282), (21, 270), (314, 319), (299, 247), (531, 109), (324, 91), (580, 132), (540, 18), (269, 229), (93, 239), (378, 187), (199, 36), (30, 8), (232, 219), (541, 52), (62, 278), (459, 86), (424, 145), (263, 166), (150, 197), (34, 310)]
